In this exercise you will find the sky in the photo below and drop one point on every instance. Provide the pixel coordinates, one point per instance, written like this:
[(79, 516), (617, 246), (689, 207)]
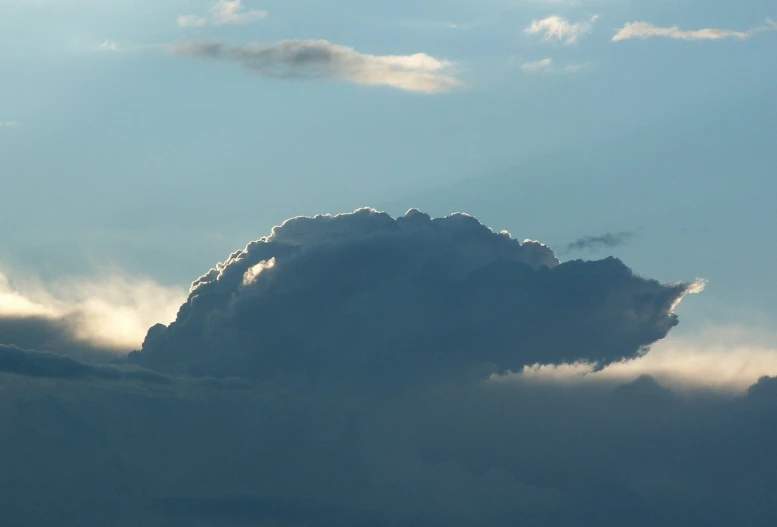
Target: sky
[(143, 142)]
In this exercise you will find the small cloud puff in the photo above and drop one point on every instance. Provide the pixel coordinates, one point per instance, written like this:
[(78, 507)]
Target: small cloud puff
[(561, 29), (223, 13), (537, 65)]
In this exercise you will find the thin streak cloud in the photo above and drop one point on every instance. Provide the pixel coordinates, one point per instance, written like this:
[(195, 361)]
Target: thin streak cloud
[(322, 60), (609, 239), (644, 30), (547, 65)]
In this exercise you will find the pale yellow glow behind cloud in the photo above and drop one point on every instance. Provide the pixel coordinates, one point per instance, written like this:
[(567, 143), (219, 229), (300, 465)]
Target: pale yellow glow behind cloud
[(728, 359), (111, 310)]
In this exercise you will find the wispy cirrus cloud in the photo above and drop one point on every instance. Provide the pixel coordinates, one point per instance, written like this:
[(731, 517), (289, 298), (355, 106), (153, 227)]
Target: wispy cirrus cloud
[(223, 13), (645, 30), (322, 60), (10, 124), (561, 29)]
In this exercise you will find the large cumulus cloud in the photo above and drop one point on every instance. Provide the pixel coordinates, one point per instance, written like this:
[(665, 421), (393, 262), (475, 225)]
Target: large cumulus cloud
[(317, 315), (367, 298)]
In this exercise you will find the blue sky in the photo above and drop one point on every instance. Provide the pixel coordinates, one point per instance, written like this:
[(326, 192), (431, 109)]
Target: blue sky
[(121, 147)]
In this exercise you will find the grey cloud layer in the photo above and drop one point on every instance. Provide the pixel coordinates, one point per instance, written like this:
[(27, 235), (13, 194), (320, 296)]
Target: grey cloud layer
[(322, 60), (492, 454), (367, 343)]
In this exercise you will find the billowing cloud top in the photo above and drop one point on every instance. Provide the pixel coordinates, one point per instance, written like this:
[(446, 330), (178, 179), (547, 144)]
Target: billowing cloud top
[(357, 297)]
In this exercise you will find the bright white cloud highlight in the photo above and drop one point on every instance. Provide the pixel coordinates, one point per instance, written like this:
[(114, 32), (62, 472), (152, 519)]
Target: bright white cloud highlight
[(322, 60), (224, 13), (560, 29), (645, 30)]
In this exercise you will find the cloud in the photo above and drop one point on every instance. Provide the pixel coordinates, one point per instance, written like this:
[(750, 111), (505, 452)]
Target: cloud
[(610, 239), (376, 354), (110, 313), (322, 60), (645, 30), (10, 124), (453, 454), (108, 45), (538, 65), (546, 65), (192, 21), (560, 29), (380, 290), (33, 363), (725, 359), (223, 13)]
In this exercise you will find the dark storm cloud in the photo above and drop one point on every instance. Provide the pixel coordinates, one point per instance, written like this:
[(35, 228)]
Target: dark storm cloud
[(610, 239), (411, 303), (364, 298)]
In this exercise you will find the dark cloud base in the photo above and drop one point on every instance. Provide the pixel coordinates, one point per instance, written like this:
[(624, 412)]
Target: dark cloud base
[(514, 454), (424, 310)]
